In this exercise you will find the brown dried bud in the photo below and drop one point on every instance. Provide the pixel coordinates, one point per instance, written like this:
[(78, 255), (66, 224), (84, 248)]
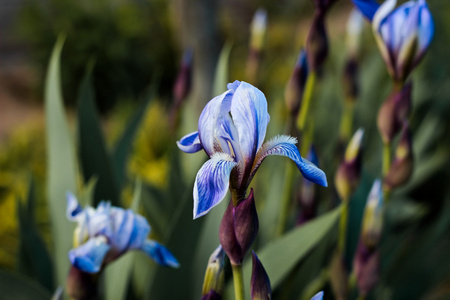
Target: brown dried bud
[(394, 112), (238, 229)]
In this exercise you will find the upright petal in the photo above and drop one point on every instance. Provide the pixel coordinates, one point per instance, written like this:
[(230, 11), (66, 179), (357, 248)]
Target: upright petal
[(89, 256), (250, 116), (426, 30), (74, 209), (367, 7), (190, 143), (216, 109), (211, 183), (285, 146), (159, 254)]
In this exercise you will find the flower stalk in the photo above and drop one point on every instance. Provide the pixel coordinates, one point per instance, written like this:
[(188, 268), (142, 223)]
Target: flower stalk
[(238, 281)]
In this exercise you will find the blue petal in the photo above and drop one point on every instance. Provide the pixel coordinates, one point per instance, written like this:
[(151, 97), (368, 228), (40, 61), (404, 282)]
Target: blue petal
[(190, 143), (285, 146), (367, 7), (250, 116), (208, 129), (159, 254), (74, 209), (89, 256), (426, 28), (141, 229), (211, 183), (318, 296)]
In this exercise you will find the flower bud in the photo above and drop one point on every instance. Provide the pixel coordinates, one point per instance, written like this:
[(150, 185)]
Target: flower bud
[(402, 166), (183, 83), (260, 283), (81, 285), (339, 276), (349, 172), (355, 26), (238, 229), (394, 112), (293, 92), (366, 267), (214, 276), (258, 30), (323, 5), (372, 222), (317, 43)]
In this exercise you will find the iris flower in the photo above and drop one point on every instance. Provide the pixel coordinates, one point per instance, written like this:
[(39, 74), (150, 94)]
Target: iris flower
[(403, 35), (231, 130), (105, 233)]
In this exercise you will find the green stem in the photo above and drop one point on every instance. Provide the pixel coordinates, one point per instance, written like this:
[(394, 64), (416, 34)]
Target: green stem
[(306, 102), (386, 158), (343, 227), (347, 122), (286, 200), (238, 280)]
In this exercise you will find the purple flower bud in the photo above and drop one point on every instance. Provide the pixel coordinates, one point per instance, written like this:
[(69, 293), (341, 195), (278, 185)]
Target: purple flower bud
[(366, 267), (212, 295), (317, 43), (293, 92), (238, 229), (402, 166), (394, 112), (183, 82), (260, 283), (349, 172), (81, 285)]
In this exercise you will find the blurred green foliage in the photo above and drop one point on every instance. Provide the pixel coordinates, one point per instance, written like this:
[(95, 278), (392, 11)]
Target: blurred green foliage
[(130, 41)]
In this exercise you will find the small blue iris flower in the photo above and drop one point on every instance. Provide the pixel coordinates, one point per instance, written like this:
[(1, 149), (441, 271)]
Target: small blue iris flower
[(403, 35), (231, 130), (105, 233)]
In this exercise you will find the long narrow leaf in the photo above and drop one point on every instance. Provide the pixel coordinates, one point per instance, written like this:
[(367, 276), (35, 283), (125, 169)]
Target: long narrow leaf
[(61, 164)]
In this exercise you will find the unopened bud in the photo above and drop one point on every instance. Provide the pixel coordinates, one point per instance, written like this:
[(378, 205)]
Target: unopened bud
[(402, 166), (214, 276), (372, 222), (238, 229), (317, 43), (349, 172), (339, 276), (293, 92), (366, 267), (394, 112), (260, 283)]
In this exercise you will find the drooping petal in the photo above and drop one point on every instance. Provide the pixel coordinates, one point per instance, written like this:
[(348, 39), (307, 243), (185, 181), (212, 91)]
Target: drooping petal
[(285, 146), (74, 209), (367, 7), (190, 143), (211, 183), (216, 109), (250, 116), (159, 254), (89, 256)]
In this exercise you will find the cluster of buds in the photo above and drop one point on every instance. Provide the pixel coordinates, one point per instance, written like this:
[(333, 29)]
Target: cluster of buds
[(239, 228), (349, 172), (214, 276), (317, 42), (258, 30), (367, 257)]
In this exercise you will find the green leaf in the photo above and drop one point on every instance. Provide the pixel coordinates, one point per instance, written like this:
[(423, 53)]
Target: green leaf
[(18, 287), (282, 255), (123, 147), (221, 75), (61, 164), (33, 257), (93, 154)]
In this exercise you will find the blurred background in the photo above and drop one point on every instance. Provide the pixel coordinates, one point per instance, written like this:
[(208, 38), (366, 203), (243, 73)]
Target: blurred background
[(137, 46)]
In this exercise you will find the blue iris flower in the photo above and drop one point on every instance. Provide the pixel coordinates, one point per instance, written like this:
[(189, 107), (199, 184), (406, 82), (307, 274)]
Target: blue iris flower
[(403, 35), (231, 130), (105, 233)]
